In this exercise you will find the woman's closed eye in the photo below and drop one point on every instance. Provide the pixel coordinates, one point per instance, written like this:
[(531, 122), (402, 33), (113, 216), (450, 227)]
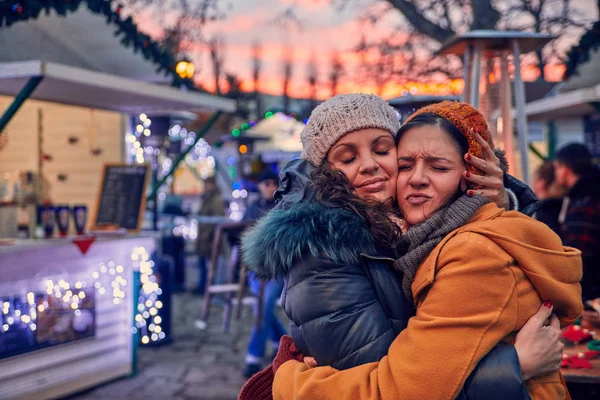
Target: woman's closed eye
[(348, 160)]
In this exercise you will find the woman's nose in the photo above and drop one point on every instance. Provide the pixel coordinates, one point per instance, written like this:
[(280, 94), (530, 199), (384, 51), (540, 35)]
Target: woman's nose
[(419, 177), (369, 165)]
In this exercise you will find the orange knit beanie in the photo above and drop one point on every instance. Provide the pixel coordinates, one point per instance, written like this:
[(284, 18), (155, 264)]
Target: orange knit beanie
[(466, 118)]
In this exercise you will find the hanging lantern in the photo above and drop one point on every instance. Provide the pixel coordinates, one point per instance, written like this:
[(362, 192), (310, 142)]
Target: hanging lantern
[(185, 69)]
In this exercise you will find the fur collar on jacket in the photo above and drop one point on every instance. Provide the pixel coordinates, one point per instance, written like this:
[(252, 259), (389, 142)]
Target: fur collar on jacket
[(284, 237)]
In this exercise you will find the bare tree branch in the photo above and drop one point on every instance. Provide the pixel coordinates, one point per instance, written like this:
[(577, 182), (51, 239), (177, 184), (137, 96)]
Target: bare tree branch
[(416, 19)]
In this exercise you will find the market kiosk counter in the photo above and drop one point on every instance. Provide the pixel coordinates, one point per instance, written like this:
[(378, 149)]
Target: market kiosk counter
[(67, 313)]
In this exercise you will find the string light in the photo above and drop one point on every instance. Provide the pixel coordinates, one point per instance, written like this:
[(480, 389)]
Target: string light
[(147, 320), (25, 311)]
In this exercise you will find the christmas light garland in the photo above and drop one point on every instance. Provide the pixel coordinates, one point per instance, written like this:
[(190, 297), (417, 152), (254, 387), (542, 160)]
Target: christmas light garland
[(24, 312), (14, 11)]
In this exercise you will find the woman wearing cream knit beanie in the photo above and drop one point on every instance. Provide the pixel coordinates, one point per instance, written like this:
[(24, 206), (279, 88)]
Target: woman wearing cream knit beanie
[(341, 115)]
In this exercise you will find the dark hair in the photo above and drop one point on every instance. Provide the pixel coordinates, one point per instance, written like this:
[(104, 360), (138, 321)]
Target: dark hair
[(432, 119), (268, 175), (332, 186), (576, 157), (545, 172)]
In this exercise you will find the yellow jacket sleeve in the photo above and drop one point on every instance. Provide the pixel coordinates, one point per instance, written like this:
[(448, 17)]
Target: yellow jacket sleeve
[(470, 306)]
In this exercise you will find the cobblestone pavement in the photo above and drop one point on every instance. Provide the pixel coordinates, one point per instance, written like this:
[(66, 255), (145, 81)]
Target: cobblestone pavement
[(199, 364)]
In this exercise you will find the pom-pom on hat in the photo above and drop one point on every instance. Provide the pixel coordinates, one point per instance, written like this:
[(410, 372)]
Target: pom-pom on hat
[(340, 115), (467, 119)]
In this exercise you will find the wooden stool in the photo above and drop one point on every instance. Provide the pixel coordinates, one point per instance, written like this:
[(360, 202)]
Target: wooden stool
[(240, 297)]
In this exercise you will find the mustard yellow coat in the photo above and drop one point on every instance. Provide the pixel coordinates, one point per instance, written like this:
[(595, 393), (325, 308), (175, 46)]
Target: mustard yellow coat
[(477, 288)]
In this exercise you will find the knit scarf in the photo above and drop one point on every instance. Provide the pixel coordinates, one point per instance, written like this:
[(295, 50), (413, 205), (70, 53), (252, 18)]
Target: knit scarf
[(421, 239)]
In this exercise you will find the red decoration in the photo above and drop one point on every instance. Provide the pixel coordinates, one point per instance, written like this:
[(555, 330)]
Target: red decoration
[(579, 361), (73, 139), (47, 157), (146, 43), (96, 152), (575, 333), (84, 243)]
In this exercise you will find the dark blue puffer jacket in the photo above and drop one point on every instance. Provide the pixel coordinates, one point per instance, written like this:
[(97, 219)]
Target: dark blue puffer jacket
[(341, 294)]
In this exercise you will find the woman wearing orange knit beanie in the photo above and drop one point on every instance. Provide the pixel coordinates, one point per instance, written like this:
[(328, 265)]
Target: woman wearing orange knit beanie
[(334, 237)]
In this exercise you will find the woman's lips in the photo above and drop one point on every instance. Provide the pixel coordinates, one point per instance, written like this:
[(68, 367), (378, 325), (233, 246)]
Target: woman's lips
[(373, 187), (417, 200)]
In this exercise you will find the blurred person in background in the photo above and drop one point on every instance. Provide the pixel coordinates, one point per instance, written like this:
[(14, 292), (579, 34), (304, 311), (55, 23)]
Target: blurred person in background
[(269, 327), (213, 205), (550, 194), (579, 217), (268, 182)]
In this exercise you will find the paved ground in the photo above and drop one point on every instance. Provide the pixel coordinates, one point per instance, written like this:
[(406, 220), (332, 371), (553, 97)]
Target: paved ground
[(198, 364)]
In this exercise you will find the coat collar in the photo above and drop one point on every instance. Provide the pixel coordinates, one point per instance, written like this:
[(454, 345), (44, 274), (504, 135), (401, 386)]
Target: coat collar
[(283, 238), (426, 273)]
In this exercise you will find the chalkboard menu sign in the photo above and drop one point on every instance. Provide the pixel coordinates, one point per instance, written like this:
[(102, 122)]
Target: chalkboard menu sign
[(122, 197), (591, 128)]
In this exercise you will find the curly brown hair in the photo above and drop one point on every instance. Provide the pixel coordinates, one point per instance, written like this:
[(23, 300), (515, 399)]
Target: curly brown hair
[(332, 187)]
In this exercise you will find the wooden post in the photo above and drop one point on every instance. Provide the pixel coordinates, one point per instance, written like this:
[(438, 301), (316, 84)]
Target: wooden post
[(40, 159)]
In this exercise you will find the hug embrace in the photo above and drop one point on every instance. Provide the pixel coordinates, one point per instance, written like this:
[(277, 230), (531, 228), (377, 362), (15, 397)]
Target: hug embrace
[(411, 268)]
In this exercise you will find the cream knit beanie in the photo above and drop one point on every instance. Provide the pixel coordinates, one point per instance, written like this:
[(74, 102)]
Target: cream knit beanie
[(341, 115)]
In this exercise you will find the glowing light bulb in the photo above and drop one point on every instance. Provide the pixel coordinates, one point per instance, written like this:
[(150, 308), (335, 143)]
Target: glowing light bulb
[(145, 339)]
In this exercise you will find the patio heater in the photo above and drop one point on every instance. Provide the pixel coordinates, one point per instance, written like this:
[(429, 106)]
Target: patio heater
[(482, 51)]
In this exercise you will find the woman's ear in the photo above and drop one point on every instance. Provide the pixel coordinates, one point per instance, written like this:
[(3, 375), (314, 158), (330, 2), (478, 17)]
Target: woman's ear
[(463, 185)]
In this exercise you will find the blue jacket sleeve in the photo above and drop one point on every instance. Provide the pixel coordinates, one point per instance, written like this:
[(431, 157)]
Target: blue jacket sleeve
[(337, 316), (528, 203), (496, 377)]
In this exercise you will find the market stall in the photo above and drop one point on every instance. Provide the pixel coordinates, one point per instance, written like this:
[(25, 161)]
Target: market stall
[(88, 342), (74, 308)]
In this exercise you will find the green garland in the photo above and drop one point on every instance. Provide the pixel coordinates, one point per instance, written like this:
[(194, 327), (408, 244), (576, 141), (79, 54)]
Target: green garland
[(580, 53), (14, 11)]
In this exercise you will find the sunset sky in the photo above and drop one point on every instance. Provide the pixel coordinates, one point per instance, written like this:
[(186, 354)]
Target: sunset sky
[(325, 28)]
